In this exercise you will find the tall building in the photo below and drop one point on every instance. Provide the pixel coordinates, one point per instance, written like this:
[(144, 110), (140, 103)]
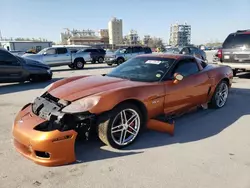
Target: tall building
[(132, 37), (180, 34), (115, 31)]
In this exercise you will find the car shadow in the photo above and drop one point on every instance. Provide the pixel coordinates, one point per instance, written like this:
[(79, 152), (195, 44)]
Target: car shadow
[(191, 127), (85, 68), (17, 87)]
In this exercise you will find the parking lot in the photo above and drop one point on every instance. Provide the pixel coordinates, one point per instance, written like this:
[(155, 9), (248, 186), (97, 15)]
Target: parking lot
[(210, 149)]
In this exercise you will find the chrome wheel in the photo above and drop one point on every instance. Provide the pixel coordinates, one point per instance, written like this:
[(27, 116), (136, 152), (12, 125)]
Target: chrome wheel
[(221, 95), (125, 127)]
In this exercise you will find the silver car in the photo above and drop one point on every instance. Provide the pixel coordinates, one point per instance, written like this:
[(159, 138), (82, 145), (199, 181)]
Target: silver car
[(59, 56), (123, 54)]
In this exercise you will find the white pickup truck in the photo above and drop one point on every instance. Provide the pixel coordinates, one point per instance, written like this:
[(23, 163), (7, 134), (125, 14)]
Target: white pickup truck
[(59, 56)]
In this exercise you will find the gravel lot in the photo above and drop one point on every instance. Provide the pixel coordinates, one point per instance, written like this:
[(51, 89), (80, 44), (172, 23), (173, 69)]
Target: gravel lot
[(210, 149)]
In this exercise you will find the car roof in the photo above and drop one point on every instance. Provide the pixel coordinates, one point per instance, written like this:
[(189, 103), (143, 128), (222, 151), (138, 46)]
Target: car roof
[(170, 56)]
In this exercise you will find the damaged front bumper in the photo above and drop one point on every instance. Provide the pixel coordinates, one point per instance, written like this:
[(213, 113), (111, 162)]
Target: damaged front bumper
[(47, 136)]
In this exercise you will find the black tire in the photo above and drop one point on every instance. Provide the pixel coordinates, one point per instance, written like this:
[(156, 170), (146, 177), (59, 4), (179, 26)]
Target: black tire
[(39, 78), (100, 60), (79, 63), (72, 66), (213, 103), (235, 72), (106, 122), (110, 64), (120, 61)]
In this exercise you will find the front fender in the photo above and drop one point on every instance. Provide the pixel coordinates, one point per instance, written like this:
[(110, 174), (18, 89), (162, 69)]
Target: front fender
[(145, 95)]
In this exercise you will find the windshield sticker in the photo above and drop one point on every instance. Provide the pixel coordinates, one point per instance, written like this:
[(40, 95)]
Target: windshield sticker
[(153, 62)]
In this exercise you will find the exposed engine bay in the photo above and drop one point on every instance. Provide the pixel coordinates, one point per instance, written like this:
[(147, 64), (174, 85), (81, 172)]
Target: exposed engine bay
[(50, 108)]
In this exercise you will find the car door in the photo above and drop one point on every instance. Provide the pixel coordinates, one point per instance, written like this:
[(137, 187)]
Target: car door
[(10, 68), (128, 53), (189, 92), (50, 57), (63, 56)]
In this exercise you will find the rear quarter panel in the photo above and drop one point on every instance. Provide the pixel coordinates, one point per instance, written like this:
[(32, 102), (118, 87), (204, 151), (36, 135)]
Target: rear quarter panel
[(216, 74)]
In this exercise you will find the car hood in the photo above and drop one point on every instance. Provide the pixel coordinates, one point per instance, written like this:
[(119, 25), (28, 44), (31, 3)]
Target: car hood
[(34, 63), (82, 87), (37, 57)]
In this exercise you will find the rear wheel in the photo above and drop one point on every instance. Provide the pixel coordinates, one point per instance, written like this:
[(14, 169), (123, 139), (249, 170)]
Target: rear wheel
[(121, 127), (235, 71), (100, 60), (79, 63), (220, 95)]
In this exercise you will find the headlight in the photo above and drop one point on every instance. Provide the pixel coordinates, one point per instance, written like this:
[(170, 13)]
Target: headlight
[(81, 105)]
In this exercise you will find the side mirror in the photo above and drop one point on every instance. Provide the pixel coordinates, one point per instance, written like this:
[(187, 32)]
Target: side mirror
[(45, 53), (178, 77)]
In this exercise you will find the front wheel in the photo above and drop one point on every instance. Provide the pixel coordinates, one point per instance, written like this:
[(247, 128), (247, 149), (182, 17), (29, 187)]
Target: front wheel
[(121, 127), (220, 95)]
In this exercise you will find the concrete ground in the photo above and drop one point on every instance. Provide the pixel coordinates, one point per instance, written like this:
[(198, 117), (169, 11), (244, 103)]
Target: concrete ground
[(210, 149)]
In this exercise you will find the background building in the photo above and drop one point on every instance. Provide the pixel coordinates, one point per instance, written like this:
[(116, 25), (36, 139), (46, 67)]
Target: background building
[(180, 34), (84, 37), (115, 31), (132, 37)]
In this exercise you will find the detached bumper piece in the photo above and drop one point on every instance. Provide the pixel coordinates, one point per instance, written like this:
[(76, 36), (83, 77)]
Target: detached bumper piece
[(161, 125), (47, 136)]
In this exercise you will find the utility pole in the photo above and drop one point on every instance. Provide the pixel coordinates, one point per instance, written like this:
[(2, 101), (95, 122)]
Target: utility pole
[(0, 35)]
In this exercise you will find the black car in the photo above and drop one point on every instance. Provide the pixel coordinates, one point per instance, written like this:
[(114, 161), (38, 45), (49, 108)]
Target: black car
[(97, 54), (189, 50), (235, 51), (18, 69)]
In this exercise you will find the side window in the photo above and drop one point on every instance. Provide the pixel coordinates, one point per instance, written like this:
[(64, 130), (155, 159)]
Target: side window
[(51, 51), (87, 50), (185, 51), (137, 49), (62, 50), (193, 50), (129, 50), (8, 59), (186, 67)]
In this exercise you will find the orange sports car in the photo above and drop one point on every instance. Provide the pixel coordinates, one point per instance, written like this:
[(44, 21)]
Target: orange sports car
[(117, 105)]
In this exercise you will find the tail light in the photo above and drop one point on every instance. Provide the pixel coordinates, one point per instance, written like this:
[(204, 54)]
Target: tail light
[(219, 53)]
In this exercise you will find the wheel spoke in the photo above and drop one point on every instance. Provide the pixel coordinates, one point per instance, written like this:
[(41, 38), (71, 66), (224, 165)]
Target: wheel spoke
[(121, 136), (113, 128), (131, 132), (118, 130), (124, 137), (132, 119)]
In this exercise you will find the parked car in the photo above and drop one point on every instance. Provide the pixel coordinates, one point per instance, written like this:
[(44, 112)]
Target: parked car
[(59, 56), (189, 50), (96, 54), (118, 105), (235, 51), (123, 54), (17, 52), (18, 69)]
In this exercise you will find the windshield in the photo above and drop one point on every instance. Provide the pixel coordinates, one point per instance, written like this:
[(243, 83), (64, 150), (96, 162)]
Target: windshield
[(237, 40), (42, 51), (145, 69), (120, 51)]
